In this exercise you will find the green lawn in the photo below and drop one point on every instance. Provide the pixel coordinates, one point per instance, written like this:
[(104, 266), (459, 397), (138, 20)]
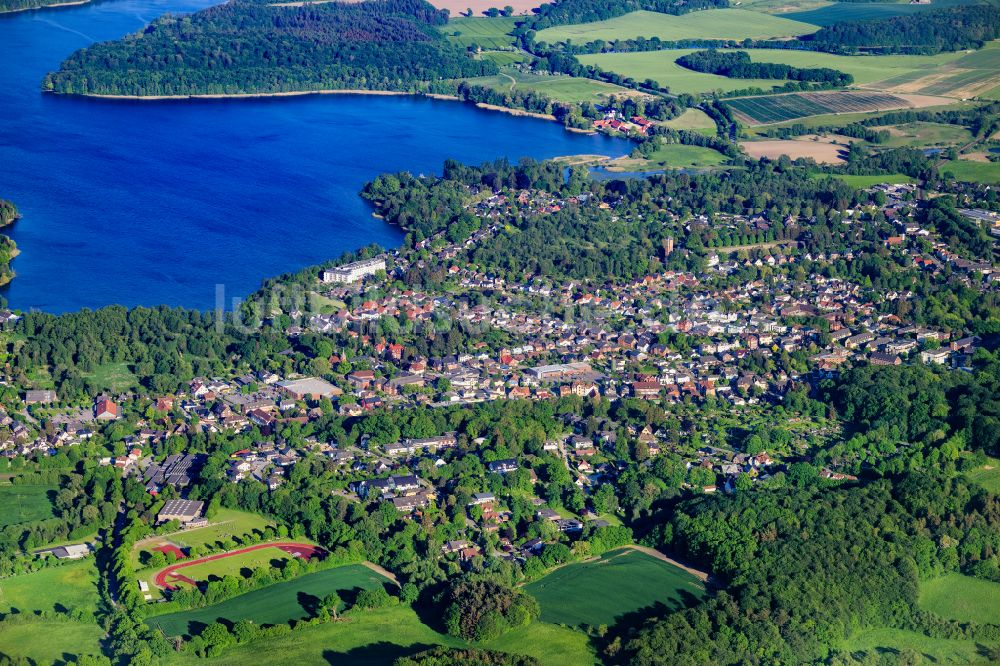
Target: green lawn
[(707, 24), (671, 156), (486, 33), (892, 642), (24, 503), (69, 586), (601, 591), (50, 641), (962, 598), (114, 377), (988, 476), (292, 600), (232, 566), (378, 637), (975, 172)]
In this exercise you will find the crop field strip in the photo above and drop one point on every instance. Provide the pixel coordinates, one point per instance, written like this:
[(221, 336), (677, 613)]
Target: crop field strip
[(779, 108), (488, 33)]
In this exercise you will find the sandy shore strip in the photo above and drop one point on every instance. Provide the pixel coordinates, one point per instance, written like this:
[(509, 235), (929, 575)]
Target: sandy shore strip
[(59, 4)]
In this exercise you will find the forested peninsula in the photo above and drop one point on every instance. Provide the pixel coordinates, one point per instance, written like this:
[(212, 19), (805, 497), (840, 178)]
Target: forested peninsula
[(8, 249), (255, 48)]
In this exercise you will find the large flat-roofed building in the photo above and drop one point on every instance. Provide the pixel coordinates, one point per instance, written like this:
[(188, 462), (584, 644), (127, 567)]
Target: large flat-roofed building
[(310, 387), (354, 271), (558, 371), (183, 510)]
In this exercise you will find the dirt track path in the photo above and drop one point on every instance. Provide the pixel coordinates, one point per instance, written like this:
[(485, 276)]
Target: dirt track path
[(379, 570), (652, 552), (162, 577)]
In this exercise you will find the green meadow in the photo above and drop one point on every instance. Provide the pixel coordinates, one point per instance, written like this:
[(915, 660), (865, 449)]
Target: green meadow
[(962, 598), (671, 156), (619, 582), (71, 586), (660, 66), (378, 637), (707, 24), (894, 643), (974, 172), (292, 600), (24, 503)]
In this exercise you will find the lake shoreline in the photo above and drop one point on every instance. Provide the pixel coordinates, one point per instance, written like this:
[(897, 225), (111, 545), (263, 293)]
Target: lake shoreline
[(346, 91), (74, 3)]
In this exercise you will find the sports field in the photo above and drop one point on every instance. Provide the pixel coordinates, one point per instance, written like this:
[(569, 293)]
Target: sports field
[(619, 582), (707, 24), (962, 598), (226, 524), (778, 108), (71, 586), (22, 503), (235, 562), (660, 66), (292, 600), (486, 33)]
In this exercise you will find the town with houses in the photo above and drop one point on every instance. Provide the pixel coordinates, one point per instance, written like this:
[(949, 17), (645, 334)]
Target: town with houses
[(743, 345)]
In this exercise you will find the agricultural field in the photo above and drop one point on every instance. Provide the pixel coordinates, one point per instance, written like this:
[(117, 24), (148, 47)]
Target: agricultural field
[(486, 33), (973, 172), (970, 74), (853, 11), (619, 582), (822, 150), (670, 156), (707, 24), (919, 135), (692, 119), (479, 7), (279, 603), (866, 69), (893, 642), (376, 638), (962, 598), (24, 503), (779, 108), (661, 66), (70, 586)]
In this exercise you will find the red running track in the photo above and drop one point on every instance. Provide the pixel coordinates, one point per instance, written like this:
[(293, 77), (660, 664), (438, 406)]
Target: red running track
[(303, 550)]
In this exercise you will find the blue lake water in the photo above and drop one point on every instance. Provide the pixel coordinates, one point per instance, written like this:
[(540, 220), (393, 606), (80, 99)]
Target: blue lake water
[(146, 203)]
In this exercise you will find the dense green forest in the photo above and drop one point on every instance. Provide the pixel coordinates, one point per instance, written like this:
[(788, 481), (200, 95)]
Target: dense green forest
[(950, 29), (737, 65), (247, 47), (808, 566), (586, 11)]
